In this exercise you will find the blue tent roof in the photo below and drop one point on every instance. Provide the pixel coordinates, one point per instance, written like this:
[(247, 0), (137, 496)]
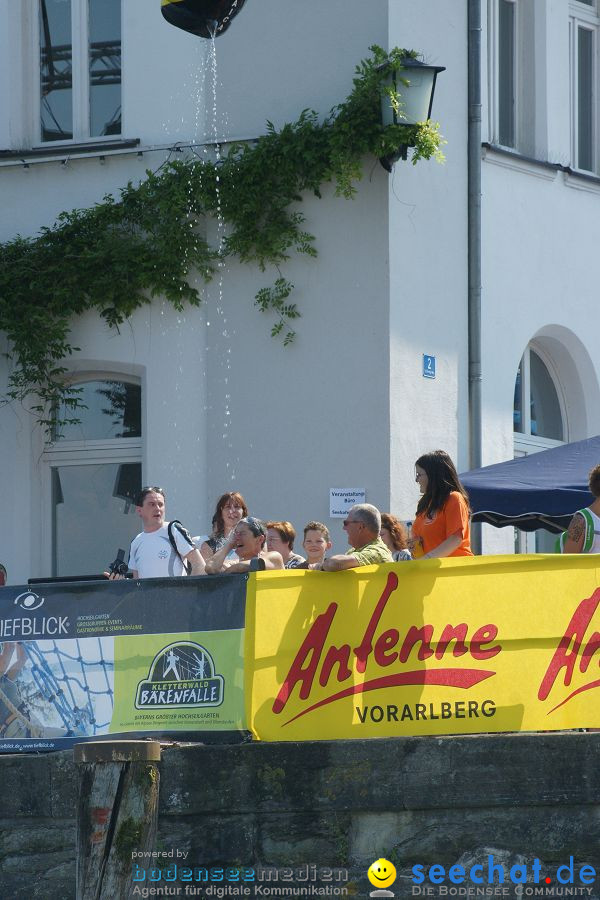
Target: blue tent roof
[(541, 490)]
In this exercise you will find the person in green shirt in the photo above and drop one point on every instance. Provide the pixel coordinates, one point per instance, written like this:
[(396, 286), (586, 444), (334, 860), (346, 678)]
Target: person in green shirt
[(362, 526)]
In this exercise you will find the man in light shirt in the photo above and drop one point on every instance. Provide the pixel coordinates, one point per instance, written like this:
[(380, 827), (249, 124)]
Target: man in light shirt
[(362, 526), (152, 554)]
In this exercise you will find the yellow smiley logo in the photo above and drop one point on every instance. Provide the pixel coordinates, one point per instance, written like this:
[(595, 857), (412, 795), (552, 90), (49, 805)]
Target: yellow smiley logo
[(381, 873)]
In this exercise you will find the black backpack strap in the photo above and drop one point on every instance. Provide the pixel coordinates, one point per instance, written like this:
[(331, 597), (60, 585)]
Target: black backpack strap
[(183, 531)]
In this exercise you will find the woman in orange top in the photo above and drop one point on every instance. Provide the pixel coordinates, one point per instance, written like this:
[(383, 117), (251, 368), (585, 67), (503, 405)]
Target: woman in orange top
[(441, 526)]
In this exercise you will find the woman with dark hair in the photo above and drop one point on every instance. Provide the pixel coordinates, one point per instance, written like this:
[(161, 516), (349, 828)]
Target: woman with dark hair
[(394, 535), (441, 527), (231, 508)]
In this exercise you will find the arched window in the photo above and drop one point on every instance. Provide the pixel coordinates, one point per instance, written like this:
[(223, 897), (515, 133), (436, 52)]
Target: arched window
[(537, 410), (94, 472), (538, 424)]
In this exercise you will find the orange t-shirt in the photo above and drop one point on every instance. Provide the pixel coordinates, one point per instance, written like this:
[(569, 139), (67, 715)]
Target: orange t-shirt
[(452, 517)]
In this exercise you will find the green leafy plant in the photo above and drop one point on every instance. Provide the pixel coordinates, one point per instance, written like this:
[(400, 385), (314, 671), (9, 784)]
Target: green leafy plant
[(118, 255)]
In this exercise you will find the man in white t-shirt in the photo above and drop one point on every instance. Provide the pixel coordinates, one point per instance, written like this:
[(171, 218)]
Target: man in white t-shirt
[(152, 554)]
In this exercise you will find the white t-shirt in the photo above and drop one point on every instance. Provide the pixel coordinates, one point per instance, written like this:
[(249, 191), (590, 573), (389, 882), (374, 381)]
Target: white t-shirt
[(152, 556), (596, 520)]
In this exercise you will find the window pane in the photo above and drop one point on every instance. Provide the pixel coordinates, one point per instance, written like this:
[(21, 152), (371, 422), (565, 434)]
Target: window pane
[(517, 407), (546, 418), (56, 86), (506, 73), (545, 541), (114, 410), (105, 66), (585, 99), (94, 515)]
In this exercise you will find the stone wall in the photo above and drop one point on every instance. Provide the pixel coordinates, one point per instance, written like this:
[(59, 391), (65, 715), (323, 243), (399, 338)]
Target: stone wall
[(330, 804)]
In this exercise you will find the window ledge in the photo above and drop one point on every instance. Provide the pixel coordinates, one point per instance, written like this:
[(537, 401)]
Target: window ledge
[(512, 159), (68, 151), (84, 147), (581, 181), (101, 149)]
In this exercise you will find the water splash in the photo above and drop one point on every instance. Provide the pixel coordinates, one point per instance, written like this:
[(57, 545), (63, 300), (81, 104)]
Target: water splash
[(222, 322)]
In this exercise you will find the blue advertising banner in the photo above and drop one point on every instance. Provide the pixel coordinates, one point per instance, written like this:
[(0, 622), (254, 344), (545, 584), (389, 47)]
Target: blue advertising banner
[(160, 657)]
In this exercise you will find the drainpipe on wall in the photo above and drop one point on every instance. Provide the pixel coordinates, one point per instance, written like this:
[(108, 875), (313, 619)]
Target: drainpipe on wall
[(474, 243)]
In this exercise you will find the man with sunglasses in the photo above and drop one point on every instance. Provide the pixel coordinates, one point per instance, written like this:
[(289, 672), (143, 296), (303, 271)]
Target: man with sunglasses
[(362, 527)]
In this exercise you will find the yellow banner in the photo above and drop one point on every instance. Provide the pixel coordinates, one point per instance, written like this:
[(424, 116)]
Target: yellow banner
[(447, 646)]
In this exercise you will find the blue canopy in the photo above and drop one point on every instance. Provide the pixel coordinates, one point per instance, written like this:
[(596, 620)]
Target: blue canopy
[(541, 490)]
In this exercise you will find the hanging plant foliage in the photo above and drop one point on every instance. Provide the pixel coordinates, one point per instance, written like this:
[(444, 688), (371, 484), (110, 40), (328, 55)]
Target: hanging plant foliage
[(121, 253)]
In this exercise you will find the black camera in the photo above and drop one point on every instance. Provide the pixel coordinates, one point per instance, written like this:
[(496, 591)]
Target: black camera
[(119, 566)]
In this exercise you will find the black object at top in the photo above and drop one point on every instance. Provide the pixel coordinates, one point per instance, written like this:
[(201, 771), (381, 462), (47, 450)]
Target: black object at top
[(119, 566), (175, 523), (205, 18)]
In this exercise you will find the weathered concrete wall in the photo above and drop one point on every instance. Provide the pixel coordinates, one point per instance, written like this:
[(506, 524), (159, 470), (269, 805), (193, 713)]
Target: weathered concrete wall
[(330, 804)]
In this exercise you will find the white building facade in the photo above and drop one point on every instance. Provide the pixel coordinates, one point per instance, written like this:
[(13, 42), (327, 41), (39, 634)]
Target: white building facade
[(210, 402)]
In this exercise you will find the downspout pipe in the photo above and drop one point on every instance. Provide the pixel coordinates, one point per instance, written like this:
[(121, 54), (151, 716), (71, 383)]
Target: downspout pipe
[(474, 243)]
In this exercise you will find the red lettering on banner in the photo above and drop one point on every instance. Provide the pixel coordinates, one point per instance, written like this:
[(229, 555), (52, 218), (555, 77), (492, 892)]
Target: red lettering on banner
[(339, 655), (459, 678), (337, 660), (385, 642), (565, 655), (422, 635), (366, 645), (456, 633), (484, 635), (312, 646)]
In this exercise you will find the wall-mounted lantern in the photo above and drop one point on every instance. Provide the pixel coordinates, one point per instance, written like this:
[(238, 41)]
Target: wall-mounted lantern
[(414, 81)]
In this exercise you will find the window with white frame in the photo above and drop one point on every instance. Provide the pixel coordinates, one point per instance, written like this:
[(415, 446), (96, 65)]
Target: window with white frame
[(80, 69), (538, 423), (537, 412), (93, 475), (512, 75), (583, 34)]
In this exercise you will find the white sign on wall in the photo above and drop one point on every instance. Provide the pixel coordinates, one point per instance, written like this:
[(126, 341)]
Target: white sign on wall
[(341, 499)]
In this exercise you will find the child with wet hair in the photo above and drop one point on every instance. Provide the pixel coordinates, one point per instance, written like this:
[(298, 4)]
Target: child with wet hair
[(316, 543)]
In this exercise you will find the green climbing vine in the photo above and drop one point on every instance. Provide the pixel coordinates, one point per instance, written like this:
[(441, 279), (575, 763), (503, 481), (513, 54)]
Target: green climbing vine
[(118, 255)]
